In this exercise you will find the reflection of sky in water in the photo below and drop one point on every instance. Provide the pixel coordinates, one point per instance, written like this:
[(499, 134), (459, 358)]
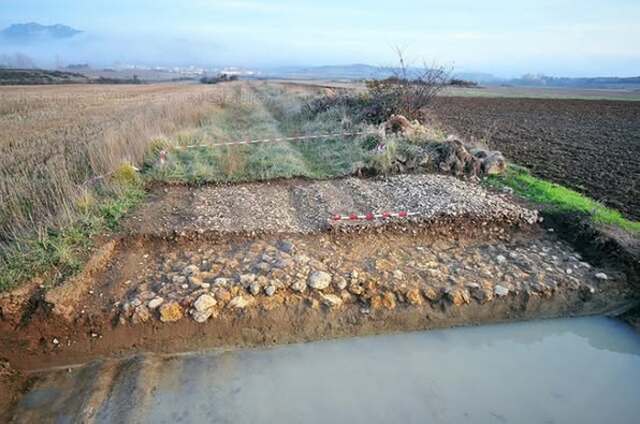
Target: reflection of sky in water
[(583, 370)]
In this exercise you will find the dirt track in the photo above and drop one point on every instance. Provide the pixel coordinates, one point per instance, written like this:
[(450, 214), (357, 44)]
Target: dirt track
[(592, 146)]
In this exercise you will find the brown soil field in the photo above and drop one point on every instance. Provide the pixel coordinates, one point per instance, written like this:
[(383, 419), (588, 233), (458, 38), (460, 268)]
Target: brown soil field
[(592, 146)]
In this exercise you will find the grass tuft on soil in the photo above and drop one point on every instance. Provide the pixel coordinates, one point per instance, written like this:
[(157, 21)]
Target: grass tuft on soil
[(560, 198), (62, 252)]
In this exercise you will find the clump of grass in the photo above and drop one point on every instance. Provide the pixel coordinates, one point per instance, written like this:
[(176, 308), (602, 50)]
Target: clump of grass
[(61, 252), (560, 198)]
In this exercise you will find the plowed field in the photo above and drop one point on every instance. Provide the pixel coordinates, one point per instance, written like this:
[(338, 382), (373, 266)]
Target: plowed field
[(592, 146)]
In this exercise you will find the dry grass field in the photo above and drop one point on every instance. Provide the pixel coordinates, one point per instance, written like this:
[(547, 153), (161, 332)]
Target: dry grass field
[(54, 138)]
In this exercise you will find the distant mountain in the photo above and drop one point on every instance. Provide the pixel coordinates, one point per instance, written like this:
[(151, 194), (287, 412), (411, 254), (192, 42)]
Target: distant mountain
[(25, 33)]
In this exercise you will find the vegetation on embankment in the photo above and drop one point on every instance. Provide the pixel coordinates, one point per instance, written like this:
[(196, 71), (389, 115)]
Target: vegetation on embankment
[(560, 198), (60, 253), (56, 138), (273, 111), (56, 143)]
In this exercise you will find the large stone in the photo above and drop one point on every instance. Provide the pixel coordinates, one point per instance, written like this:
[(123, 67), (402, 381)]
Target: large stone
[(140, 315), (413, 297), (356, 289), (171, 312), (223, 295), (254, 288), (458, 296), (389, 300), (202, 316), (431, 294), (221, 282), (204, 302), (155, 302), (331, 300), (481, 294), (398, 124), (501, 291), (299, 286), (190, 270), (196, 281), (239, 302), (246, 279), (319, 280), (601, 276), (340, 283), (494, 164), (179, 279)]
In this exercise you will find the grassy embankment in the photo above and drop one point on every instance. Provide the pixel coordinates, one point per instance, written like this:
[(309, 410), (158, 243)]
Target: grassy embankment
[(265, 112), (560, 198), (54, 139), (60, 252)]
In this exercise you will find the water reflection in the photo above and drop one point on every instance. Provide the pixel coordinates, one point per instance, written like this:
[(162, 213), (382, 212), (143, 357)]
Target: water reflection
[(597, 332), (581, 370), (558, 371)]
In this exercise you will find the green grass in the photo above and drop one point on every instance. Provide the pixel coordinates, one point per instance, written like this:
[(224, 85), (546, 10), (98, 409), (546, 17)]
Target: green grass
[(62, 252), (274, 113), (560, 198)]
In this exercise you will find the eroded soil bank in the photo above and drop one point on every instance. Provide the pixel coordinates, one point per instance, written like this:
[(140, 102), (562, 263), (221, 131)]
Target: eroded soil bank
[(179, 295)]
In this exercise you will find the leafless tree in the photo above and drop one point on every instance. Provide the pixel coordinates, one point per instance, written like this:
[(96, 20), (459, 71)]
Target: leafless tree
[(408, 91)]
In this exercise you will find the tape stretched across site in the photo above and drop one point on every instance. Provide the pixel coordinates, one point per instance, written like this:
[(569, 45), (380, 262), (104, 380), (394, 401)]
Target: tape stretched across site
[(372, 216), (276, 140)]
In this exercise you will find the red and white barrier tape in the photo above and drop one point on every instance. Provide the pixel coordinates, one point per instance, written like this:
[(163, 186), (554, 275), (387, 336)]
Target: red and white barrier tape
[(275, 140), (371, 216)]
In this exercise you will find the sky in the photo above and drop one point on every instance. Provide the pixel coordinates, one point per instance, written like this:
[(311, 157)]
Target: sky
[(505, 38)]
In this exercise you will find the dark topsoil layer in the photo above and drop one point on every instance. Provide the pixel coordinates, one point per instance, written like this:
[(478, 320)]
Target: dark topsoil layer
[(592, 146)]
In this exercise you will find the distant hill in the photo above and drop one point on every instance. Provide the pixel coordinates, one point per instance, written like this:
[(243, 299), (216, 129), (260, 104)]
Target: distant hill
[(595, 83), (15, 76), (24, 33), (362, 71), (39, 77)]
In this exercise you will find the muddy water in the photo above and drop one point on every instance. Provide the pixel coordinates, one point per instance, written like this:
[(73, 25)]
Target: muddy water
[(583, 370)]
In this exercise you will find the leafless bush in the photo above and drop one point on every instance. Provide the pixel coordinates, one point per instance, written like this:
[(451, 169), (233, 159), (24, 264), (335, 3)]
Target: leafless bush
[(408, 91)]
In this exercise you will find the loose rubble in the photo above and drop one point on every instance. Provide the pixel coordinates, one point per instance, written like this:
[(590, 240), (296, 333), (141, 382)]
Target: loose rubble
[(407, 271)]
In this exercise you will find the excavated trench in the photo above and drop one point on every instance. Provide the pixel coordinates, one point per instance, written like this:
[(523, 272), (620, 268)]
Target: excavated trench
[(263, 264)]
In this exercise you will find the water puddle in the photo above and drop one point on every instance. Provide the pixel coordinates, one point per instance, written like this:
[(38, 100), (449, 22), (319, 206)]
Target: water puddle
[(584, 370)]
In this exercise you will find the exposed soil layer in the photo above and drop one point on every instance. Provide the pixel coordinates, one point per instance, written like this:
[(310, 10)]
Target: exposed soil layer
[(299, 206), (592, 146), (306, 287)]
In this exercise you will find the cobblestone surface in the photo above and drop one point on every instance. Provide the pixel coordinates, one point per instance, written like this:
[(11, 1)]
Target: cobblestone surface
[(371, 271)]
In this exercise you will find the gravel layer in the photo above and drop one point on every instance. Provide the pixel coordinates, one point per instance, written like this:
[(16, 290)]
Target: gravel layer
[(299, 206)]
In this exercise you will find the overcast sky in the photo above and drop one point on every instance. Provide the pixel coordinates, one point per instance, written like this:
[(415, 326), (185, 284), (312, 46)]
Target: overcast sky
[(507, 38)]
